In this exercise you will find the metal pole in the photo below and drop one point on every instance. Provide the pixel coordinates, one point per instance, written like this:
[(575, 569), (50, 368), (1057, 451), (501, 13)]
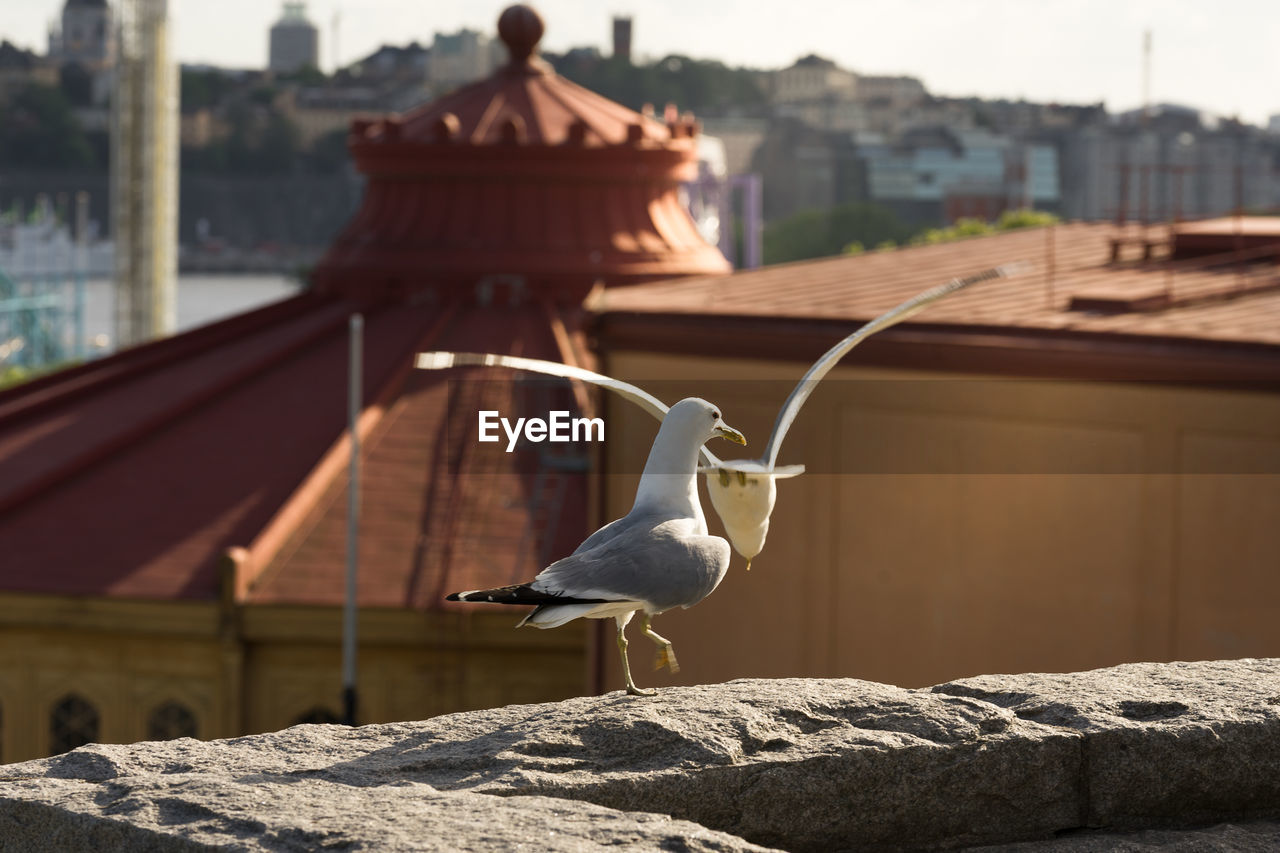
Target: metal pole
[(354, 399), (82, 266), (752, 216)]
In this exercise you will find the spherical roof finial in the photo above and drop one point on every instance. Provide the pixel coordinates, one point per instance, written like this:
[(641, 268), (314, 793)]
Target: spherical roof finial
[(520, 27)]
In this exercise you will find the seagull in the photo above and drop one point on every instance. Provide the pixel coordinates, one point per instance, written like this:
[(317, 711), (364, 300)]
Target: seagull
[(656, 557), (743, 491)]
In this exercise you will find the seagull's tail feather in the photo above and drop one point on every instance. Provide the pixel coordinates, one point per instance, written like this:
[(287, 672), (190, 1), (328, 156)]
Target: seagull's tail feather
[(555, 615), (521, 593)]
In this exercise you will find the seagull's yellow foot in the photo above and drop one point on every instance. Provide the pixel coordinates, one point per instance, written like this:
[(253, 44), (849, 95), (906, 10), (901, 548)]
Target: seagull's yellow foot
[(724, 478), (748, 564), (742, 478), (666, 652), (666, 657)]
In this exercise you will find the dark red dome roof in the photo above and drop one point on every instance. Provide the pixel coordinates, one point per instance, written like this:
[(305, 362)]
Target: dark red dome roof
[(522, 174)]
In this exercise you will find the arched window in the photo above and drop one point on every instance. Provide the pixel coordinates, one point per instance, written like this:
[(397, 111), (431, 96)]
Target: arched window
[(72, 723), (318, 714), (171, 720)]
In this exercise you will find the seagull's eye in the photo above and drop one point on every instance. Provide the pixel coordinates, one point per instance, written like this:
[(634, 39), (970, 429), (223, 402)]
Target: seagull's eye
[(715, 415)]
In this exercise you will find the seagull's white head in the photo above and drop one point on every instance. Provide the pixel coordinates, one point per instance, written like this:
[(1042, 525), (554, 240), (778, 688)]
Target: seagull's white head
[(699, 421), (669, 480)]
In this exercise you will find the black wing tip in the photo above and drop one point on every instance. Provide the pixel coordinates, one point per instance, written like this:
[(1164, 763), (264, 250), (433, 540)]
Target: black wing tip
[(518, 594)]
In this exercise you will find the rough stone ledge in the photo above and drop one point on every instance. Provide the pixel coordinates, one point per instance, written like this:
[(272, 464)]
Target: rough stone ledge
[(1139, 756)]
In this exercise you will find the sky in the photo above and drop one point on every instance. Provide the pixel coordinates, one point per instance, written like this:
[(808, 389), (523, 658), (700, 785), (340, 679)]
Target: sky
[(1218, 56)]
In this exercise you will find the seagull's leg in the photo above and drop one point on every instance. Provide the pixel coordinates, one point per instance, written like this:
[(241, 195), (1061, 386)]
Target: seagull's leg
[(724, 477), (622, 650), (666, 653), (742, 479)]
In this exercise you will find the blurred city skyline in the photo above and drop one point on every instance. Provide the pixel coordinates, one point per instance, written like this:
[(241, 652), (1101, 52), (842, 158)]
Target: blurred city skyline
[(1215, 58)]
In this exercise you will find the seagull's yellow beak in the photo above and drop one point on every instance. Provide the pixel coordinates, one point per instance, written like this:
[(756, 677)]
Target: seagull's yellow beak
[(723, 430)]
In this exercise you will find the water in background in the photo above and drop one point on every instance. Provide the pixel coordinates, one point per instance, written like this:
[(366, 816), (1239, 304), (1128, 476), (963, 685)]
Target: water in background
[(201, 299)]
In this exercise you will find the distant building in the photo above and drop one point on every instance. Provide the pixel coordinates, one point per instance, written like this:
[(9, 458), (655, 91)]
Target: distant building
[(812, 78), (740, 136), (931, 175), (460, 58), (827, 112), (318, 111), (391, 61), (622, 38), (200, 127), (898, 91), (827, 97), (805, 168), (1173, 165), (82, 47), (19, 68), (295, 41), (85, 35)]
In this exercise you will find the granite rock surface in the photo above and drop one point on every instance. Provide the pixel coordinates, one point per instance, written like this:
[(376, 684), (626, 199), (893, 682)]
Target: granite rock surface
[(795, 764)]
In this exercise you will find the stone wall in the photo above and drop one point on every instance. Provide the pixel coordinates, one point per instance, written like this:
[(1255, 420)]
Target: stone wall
[(1182, 756)]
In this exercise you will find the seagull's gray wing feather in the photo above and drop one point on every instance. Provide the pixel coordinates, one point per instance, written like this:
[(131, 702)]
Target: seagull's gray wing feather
[(791, 408), (658, 562), (601, 536), (642, 398)]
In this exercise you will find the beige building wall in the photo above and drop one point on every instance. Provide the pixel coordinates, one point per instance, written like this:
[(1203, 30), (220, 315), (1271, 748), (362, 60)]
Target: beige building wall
[(263, 668), (941, 561), (802, 82)]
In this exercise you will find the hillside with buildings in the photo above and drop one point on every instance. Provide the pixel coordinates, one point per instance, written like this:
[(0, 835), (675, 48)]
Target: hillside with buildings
[(264, 159)]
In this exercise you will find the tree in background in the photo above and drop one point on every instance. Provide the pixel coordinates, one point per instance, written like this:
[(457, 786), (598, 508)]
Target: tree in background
[(849, 229), (76, 84), (39, 131), (1010, 220), (821, 233), (205, 88), (691, 84)]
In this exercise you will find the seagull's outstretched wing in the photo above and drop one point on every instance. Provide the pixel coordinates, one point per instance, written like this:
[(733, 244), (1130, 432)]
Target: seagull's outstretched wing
[(642, 398), (787, 414)]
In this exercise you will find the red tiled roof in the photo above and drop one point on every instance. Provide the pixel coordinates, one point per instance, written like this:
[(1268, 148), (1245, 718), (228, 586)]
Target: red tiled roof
[(129, 476), (1211, 303), (132, 476), (440, 512)]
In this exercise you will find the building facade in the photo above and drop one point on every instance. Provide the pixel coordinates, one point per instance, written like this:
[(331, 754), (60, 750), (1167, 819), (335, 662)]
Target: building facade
[(294, 41), (938, 175), (1173, 167), (460, 58), (1019, 479), (812, 78), (86, 34), (173, 516)]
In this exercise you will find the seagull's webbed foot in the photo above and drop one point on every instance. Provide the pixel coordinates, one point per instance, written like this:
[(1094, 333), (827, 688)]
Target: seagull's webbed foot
[(666, 652), (626, 667)]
